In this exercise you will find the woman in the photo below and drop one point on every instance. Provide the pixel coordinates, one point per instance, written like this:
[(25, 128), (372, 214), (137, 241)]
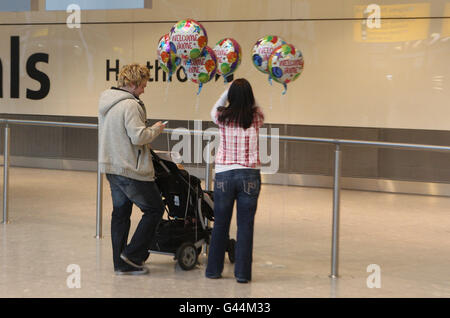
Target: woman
[(237, 178)]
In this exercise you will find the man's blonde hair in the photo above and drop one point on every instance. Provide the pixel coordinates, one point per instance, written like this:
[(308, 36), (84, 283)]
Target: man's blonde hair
[(133, 74)]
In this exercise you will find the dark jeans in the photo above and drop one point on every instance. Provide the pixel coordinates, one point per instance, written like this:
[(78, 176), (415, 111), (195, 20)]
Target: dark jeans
[(242, 185), (145, 194)]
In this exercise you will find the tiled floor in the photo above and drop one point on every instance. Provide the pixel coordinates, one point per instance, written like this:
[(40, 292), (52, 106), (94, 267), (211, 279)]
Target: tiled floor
[(52, 225)]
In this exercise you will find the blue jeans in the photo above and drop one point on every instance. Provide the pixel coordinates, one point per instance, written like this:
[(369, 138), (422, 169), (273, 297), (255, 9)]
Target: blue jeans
[(146, 195), (242, 186)]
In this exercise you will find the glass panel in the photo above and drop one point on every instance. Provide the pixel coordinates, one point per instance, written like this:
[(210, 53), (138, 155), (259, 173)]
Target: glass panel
[(16, 5), (362, 80), (97, 4)]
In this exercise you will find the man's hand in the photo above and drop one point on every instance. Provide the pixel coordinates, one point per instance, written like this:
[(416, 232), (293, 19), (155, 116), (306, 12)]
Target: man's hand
[(159, 126)]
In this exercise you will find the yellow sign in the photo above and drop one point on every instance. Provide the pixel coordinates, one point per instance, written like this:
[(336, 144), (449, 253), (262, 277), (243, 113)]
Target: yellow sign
[(40, 32), (391, 23), (446, 22)]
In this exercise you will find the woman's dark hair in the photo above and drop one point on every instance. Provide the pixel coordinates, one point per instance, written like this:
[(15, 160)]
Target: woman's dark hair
[(241, 108)]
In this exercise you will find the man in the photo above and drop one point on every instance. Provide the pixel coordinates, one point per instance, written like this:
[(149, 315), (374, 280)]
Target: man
[(124, 156)]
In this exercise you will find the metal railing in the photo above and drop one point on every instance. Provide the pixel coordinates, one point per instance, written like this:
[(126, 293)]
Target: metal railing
[(208, 173)]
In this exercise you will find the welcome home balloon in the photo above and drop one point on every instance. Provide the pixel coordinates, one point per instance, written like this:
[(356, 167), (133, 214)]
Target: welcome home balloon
[(189, 38), (286, 64), (167, 58), (229, 56), (262, 50), (202, 69)]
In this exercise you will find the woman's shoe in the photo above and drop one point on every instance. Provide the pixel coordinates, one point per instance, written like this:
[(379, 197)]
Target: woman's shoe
[(242, 280)]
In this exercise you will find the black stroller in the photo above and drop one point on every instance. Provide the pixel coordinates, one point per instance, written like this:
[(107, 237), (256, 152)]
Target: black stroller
[(189, 208)]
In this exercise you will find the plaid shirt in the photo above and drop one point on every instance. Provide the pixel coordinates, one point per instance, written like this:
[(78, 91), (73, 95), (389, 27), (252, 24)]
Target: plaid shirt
[(238, 146)]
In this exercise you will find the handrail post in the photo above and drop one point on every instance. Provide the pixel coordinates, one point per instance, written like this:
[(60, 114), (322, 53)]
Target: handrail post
[(208, 168), (99, 219), (6, 174), (208, 183), (336, 210)]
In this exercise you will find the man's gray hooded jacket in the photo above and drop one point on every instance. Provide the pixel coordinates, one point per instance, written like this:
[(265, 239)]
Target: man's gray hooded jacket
[(124, 137)]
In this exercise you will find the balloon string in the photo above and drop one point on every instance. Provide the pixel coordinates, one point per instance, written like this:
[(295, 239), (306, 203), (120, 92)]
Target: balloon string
[(285, 88), (271, 100), (270, 80), (197, 103), (166, 93), (199, 88)]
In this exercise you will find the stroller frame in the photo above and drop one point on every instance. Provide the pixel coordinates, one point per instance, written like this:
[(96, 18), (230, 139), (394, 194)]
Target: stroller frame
[(184, 237)]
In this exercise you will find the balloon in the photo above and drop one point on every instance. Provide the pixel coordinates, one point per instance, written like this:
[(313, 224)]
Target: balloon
[(262, 50), (229, 56), (166, 56), (202, 69), (286, 64), (189, 39)]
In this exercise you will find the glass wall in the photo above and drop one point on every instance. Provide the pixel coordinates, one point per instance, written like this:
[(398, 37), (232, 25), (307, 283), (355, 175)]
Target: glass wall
[(372, 71)]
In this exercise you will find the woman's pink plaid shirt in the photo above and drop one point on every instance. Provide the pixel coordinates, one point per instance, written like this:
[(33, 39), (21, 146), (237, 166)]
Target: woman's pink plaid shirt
[(239, 146)]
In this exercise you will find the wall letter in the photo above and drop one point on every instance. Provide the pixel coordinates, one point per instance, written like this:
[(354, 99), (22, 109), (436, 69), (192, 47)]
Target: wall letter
[(181, 79), (38, 76), (15, 67), (109, 69)]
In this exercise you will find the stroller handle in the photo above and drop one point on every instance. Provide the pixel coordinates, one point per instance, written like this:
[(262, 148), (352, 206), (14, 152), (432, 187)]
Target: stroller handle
[(154, 155), (158, 160)]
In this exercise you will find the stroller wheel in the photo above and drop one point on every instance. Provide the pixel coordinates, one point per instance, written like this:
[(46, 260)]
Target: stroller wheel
[(230, 250), (187, 256)]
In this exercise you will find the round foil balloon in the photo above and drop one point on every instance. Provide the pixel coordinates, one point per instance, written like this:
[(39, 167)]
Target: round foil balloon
[(202, 69), (286, 64), (229, 56), (262, 50), (166, 56), (189, 39)]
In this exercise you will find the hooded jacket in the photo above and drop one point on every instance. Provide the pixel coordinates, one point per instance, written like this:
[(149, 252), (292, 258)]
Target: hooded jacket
[(124, 137)]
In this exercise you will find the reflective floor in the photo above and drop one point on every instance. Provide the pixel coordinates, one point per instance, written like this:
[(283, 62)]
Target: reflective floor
[(52, 226)]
